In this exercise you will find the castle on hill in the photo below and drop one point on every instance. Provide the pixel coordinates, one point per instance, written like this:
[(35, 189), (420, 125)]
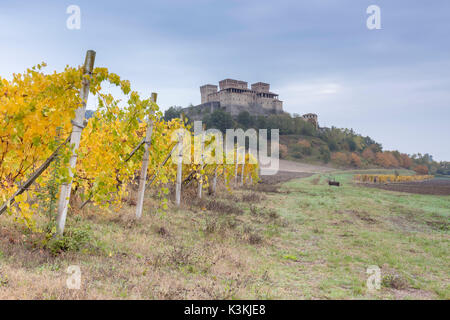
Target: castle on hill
[(234, 96)]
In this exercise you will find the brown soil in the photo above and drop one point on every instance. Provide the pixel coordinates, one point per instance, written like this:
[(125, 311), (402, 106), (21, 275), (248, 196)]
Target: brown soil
[(283, 176), (434, 186), (293, 170)]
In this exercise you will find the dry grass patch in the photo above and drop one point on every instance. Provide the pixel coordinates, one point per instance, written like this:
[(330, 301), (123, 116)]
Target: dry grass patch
[(187, 253)]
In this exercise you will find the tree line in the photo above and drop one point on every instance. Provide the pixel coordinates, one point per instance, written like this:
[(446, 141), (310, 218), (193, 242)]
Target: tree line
[(299, 139)]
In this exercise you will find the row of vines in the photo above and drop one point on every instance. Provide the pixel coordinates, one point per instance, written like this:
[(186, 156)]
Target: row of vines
[(37, 112), (389, 178)]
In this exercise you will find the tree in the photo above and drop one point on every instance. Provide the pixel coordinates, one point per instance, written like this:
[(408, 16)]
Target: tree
[(325, 154), (368, 154), (386, 160), (244, 119), (172, 113), (261, 122), (421, 169), (307, 129), (355, 160), (332, 145), (339, 158), (405, 161), (376, 147), (351, 144), (381, 160), (219, 119)]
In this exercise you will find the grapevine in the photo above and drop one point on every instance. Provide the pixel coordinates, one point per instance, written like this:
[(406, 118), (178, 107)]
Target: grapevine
[(36, 107)]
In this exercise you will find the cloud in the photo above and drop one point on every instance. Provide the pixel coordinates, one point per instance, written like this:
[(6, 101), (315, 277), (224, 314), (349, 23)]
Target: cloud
[(318, 55)]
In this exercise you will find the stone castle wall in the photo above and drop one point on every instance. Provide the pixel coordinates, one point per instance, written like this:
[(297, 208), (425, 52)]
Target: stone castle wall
[(234, 96)]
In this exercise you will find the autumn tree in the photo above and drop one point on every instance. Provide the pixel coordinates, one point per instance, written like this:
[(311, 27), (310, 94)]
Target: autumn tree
[(368, 154), (386, 160), (421, 169), (405, 161), (355, 160), (339, 158)]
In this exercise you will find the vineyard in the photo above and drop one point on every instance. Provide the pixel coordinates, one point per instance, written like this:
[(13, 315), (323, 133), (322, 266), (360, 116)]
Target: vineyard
[(50, 155), (389, 178)]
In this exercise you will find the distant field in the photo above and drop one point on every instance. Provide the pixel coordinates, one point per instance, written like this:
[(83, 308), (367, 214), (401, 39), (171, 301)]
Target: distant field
[(436, 186), (301, 240)]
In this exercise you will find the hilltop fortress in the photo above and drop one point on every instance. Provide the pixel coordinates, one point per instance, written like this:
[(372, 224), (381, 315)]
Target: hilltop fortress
[(234, 96)]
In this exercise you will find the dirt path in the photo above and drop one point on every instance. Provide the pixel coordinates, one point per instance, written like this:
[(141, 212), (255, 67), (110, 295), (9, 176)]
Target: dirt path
[(293, 170), (292, 166)]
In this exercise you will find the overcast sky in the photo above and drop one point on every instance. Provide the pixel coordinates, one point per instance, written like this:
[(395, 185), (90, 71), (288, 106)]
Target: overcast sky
[(392, 84)]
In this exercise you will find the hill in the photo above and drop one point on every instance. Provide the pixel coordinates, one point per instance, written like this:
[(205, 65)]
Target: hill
[(302, 141)]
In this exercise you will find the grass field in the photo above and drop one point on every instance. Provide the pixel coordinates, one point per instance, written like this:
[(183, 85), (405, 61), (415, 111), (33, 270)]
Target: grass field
[(304, 240)]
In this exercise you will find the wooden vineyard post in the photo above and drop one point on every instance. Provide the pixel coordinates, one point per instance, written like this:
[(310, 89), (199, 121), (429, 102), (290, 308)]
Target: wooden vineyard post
[(200, 181), (75, 137), (214, 181), (179, 167), (259, 166), (243, 171), (236, 165), (145, 159), (251, 152)]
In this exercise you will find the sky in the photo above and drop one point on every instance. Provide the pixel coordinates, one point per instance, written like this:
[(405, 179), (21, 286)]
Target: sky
[(392, 84)]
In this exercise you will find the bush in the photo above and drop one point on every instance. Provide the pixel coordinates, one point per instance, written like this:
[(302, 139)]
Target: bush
[(296, 151), (283, 151), (305, 146), (74, 240), (395, 281)]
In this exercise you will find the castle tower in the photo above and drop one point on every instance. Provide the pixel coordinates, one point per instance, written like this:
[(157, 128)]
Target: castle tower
[(235, 96), (206, 90), (261, 87), (311, 117)]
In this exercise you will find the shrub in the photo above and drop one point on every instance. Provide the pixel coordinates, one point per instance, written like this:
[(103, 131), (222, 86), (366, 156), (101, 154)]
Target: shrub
[(304, 143), (74, 240), (283, 151), (395, 281)]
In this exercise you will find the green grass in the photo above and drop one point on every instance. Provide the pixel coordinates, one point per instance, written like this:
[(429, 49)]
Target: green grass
[(341, 231), (306, 241)]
